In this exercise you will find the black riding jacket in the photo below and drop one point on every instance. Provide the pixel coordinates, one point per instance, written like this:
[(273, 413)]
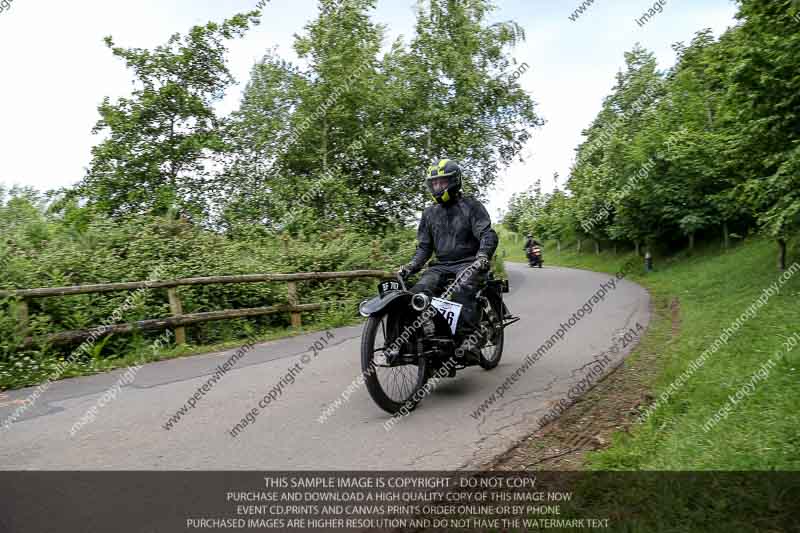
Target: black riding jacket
[(457, 232)]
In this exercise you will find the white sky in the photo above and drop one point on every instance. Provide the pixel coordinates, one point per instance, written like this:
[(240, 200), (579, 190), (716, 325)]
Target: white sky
[(55, 69)]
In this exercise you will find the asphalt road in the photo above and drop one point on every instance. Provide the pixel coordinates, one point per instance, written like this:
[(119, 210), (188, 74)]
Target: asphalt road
[(128, 432)]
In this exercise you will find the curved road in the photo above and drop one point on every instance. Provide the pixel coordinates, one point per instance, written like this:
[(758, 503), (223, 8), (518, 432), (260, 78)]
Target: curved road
[(441, 434)]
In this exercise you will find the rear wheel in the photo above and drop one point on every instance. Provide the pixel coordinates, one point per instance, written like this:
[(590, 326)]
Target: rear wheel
[(392, 382), (492, 350)]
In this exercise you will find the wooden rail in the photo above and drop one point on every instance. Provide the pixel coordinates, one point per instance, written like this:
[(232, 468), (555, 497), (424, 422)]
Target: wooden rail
[(178, 321)]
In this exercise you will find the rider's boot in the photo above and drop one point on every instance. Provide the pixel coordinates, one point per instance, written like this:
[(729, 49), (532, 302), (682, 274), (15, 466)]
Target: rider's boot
[(470, 347)]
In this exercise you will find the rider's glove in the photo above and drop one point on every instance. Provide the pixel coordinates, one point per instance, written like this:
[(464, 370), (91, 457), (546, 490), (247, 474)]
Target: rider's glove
[(483, 262), (406, 270)]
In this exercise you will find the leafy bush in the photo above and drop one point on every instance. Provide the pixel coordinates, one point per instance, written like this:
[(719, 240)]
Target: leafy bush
[(65, 244)]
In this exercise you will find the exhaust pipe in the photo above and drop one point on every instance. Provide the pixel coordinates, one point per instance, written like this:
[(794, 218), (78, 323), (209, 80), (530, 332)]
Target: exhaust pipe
[(420, 301)]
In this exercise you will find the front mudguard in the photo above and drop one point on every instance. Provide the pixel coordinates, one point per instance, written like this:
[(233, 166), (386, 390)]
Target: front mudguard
[(402, 300), (377, 304)]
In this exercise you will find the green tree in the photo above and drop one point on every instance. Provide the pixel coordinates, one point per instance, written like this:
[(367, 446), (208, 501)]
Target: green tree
[(764, 98), (611, 166), (256, 135), (457, 102), (162, 139), (359, 128)]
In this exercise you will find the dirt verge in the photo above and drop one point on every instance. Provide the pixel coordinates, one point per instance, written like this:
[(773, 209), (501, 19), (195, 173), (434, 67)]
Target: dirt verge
[(611, 405)]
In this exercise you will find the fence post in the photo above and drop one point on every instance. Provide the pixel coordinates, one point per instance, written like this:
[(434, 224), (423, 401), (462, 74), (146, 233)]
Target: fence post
[(292, 288), (176, 308), (22, 317)]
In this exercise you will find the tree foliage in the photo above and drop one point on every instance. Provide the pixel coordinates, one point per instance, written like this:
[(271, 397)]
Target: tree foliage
[(353, 129), (711, 144), (162, 138)]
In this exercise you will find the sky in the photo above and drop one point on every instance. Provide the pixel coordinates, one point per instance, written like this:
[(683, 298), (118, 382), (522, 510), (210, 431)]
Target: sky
[(55, 69)]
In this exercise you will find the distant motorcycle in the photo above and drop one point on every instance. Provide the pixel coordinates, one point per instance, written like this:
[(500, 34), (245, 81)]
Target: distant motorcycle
[(409, 338), (535, 256)]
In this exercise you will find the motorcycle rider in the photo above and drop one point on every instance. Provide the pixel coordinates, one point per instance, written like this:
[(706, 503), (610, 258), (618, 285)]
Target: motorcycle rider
[(529, 243), (458, 230)]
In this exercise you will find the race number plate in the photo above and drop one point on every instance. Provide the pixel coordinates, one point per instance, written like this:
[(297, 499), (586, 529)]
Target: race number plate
[(387, 286), (449, 310)]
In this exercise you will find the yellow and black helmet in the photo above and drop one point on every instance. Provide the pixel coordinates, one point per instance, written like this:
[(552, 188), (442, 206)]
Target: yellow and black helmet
[(444, 180)]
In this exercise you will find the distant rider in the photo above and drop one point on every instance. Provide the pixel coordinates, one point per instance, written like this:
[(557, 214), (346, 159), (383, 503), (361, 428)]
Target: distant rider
[(530, 242)]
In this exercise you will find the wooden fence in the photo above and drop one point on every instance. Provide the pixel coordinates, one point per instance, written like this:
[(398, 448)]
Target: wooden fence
[(178, 321)]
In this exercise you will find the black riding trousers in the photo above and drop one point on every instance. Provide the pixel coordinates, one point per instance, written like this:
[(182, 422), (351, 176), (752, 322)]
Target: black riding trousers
[(437, 279)]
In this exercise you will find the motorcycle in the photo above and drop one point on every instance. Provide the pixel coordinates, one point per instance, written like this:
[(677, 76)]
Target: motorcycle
[(409, 338), (535, 256)]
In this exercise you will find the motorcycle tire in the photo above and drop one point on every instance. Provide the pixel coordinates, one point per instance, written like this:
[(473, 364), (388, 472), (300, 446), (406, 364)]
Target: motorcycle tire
[(488, 363), (391, 405)]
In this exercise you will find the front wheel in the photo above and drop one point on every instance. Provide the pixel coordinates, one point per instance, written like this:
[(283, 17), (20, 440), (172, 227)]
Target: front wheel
[(391, 385)]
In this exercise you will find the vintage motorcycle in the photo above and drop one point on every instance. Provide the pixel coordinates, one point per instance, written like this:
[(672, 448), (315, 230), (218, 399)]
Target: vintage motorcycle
[(409, 338), (535, 256)]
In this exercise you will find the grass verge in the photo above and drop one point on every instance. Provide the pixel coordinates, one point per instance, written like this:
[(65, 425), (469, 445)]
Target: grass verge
[(739, 409), (661, 413), (736, 411)]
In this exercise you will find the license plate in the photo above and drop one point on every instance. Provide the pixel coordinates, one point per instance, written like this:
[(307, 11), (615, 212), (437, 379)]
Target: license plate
[(388, 286)]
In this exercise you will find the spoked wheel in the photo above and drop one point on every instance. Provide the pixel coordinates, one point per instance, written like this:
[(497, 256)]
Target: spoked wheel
[(391, 381)]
